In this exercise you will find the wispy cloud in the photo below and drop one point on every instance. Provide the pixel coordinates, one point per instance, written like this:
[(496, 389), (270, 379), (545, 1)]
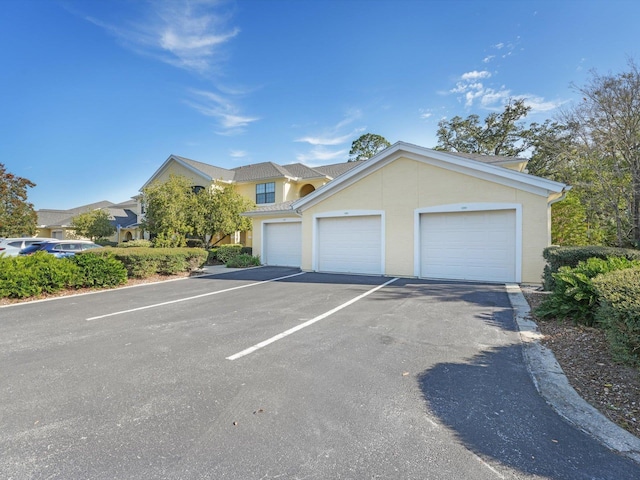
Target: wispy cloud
[(185, 34), (424, 114), (238, 153), (341, 134), (190, 35), (211, 104), (321, 155), (472, 90), (475, 75), (539, 104)]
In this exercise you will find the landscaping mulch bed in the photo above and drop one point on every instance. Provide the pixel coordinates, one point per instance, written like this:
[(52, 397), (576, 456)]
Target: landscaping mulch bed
[(583, 353)]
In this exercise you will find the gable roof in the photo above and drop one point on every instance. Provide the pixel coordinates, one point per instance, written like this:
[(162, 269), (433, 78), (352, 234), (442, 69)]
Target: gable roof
[(123, 214), (484, 167), (256, 172)]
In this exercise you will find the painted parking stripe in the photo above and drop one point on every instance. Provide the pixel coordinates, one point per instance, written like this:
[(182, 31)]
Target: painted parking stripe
[(280, 336), (186, 299)]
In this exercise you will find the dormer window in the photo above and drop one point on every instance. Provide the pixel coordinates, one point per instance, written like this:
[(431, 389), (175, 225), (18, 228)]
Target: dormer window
[(265, 193)]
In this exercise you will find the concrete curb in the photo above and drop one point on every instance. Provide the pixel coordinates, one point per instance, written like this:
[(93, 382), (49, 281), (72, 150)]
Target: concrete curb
[(551, 382)]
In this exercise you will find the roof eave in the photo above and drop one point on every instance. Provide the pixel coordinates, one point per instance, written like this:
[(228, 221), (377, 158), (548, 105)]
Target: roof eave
[(533, 184)]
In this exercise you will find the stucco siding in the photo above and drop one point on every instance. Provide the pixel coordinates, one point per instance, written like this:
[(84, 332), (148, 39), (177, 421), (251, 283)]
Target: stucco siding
[(179, 170), (404, 185)]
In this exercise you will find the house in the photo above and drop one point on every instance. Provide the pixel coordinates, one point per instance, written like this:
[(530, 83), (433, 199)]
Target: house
[(267, 184), (124, 217), (414, 212)]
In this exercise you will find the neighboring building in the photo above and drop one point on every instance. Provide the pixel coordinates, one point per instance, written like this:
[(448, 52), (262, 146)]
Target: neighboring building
[(267, 184), (124, 217), (414, 212), (408, 211)]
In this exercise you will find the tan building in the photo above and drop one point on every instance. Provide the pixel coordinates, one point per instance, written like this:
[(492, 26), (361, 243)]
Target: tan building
[(124, 217), (415, 212), (267, 183)]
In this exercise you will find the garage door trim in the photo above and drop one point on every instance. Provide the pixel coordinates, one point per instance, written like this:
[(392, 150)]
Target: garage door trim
[(342, 214), (469, 207), (263, 231)]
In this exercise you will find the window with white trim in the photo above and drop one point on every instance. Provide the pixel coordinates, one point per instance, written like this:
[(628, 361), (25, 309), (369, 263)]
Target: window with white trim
[(265, 193)]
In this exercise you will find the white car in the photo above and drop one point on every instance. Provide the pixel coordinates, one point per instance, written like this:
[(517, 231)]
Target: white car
[(9, 247)]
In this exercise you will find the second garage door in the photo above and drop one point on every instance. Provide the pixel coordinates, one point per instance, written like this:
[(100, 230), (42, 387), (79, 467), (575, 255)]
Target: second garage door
[(350, 244), (282, 244), (469, 245)]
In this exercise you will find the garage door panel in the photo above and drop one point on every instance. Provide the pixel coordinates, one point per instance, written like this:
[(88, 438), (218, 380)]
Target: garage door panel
[(350, 244), (283, 244), (468, 245)]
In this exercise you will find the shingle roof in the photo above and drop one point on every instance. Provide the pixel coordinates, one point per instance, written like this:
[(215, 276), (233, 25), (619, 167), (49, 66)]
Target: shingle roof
[(273, 208), (338, 169), (123, 213), (300, 170), (268, 170), (216, 173), (260, 171)]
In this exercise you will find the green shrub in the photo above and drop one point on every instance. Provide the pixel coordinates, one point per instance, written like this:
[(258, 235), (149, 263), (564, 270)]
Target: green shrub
[(142, 262), (619, 312), (99, 270), (212, 256), (195, 243), (574, 295), (557, 257), (31, 275), (247, 250), (227, 252), (135, 243), (243, 260), (105, 243)]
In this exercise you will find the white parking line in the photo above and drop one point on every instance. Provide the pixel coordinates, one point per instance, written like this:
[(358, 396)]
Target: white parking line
[(191, 298), (307, 323)]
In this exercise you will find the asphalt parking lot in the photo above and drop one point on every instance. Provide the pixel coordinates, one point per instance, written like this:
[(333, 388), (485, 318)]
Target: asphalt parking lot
[(273, 373)]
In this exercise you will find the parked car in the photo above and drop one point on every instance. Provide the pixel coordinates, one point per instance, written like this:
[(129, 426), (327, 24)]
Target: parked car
[(10, 247), (60, 248)]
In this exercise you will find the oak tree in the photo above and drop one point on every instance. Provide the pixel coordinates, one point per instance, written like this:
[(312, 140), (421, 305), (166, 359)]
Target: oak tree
[(17, 216)]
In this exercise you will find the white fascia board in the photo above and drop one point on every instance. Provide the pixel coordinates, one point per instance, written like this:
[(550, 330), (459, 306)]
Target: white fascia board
[(172, 158), (501, 175)]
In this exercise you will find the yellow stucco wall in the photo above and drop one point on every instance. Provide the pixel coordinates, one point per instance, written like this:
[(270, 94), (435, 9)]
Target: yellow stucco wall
[(404, 185), (174, 168)]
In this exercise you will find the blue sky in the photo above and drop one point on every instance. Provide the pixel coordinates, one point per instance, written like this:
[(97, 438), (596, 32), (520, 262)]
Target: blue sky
[(97, 94)]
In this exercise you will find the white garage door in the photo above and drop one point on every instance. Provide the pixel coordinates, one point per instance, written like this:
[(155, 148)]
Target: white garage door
[(282, 244), (350, 244), (469, 245)]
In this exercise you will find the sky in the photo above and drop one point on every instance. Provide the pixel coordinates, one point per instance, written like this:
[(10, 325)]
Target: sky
[(95, 95)]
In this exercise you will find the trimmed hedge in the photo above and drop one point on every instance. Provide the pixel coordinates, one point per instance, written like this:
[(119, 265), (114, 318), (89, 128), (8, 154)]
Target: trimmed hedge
[(619, 312), (557, 257), (28, 276), (224, 253), (574, 295), (99, 270), (243, 260), (195, 243), (32, 275), (135, 243), (142, 262)]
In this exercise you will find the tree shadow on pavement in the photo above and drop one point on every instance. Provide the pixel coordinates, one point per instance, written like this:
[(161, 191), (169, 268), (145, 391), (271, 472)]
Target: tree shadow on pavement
[(495, 411)]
